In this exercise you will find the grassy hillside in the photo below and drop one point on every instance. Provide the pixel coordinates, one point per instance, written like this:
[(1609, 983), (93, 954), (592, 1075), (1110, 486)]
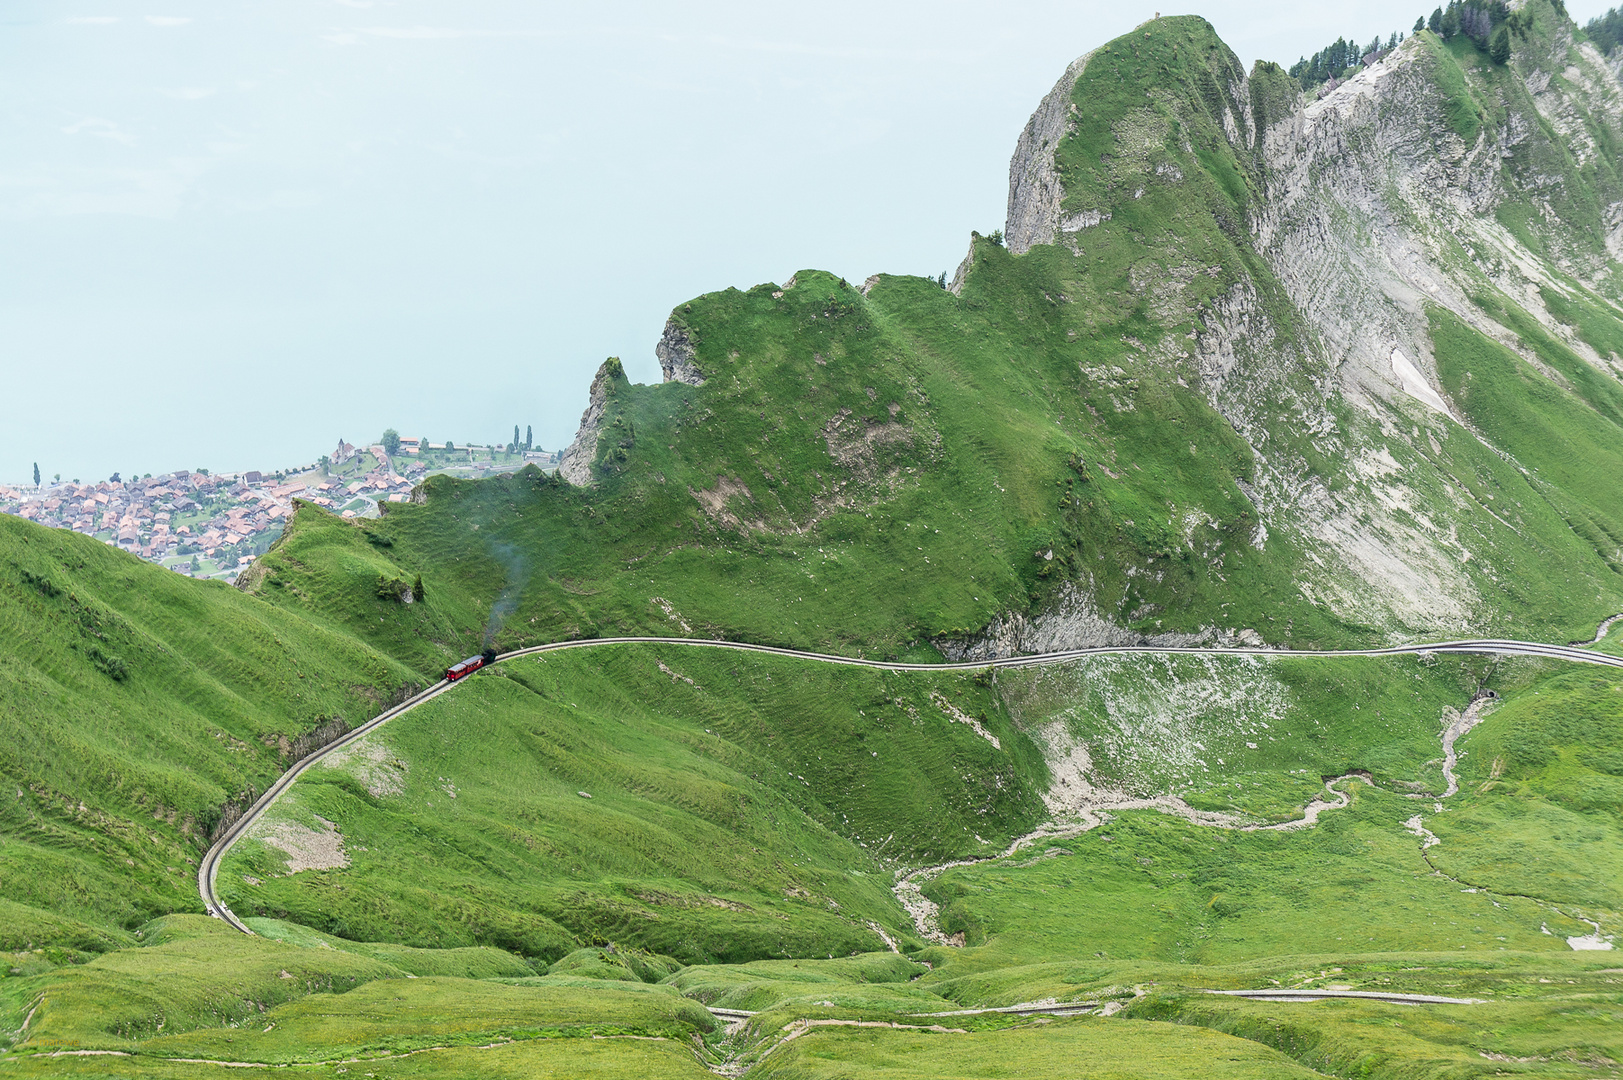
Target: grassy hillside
[(133, 704), (547, 870), (878, 470), (752, 810)]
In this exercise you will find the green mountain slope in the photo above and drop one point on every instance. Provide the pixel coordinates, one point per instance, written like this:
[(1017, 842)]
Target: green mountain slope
[(1245, 366), (135, 704), (754, 810), (1172, 409)]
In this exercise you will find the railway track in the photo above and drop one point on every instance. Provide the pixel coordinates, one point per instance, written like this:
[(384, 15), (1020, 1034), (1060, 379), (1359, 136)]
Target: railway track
[(209, 868)]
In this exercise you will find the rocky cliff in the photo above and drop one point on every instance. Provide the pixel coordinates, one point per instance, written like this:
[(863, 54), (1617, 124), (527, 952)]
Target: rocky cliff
[(1433, 179), (677, 361), (1251, 366), (575, 463)]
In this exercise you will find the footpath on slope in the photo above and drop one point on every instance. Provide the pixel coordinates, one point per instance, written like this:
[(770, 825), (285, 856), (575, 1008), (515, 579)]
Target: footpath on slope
[(1089, 809)]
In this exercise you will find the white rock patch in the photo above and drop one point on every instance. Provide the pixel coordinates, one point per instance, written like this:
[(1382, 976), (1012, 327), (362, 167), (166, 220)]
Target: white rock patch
[(1590, 942), (373, 763), (1415, 384), (958, 716), (320, 848)]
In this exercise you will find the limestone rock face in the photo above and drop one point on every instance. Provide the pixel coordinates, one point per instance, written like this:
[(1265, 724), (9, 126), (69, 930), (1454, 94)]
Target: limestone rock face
[(676, 355), (1364, 209), (1072, 623), (575, 465), (1035, 192)]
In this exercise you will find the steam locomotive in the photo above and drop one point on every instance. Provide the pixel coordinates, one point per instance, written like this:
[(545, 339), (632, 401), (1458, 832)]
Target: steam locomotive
[(470, 665)]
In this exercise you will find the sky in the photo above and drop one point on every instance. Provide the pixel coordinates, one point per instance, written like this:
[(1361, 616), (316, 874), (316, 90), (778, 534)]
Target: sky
[(237, 231)]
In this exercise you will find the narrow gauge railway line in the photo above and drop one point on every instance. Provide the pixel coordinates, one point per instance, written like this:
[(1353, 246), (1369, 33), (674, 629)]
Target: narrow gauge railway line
[(209, 869)]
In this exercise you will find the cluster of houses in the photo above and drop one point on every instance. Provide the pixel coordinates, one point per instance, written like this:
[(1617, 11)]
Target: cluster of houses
[(160, 517), (182, 518)]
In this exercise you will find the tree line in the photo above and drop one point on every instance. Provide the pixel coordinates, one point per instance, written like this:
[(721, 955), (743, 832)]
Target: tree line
[(1607, 31), (1490, 25)]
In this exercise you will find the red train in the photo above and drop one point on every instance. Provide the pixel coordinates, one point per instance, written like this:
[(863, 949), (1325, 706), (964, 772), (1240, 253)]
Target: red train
[(470, 665)]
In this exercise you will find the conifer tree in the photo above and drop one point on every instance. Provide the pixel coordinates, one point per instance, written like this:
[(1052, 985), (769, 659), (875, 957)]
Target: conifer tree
[(1499, 45), (36, 474)]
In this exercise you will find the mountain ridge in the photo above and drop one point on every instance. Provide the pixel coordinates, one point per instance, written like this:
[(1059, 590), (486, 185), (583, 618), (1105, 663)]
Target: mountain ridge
[(1192, 397), (1325, 190)]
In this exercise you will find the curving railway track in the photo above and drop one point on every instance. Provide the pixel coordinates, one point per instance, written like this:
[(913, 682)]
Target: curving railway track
[(210, 867)]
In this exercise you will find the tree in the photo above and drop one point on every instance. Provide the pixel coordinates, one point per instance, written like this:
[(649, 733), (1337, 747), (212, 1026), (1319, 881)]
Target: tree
[(1451, 21), (1435, 23), (197, 565), (1606, 32), (417, 592), (326, 464), (449, 446), (1420, 24), (391, 442), (36, 474), (529, 437), (1499, 45), (114, 479), (515, 435), (996, 237), (941, 281)]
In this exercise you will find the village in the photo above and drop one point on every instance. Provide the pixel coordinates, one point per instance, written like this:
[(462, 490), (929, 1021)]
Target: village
[(214, 525)]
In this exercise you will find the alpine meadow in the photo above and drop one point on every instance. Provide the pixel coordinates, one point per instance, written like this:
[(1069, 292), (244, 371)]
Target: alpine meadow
[(1184, 642)]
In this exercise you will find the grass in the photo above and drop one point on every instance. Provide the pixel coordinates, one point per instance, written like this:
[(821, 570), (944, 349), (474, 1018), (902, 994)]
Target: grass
[(548, 870), (1459, 104), (1252, 735), (608, 1058), (1565, 1034), (196, 973), (1151, 887), (1146, 901), (753, 812), (400, 1016), (133, 704), (949, 459), (869, 982), (1567, 449), (1083, 1048)]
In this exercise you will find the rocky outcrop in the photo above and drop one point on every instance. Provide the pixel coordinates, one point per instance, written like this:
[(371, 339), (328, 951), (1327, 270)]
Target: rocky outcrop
[(1073, 622), (1367, 206), (1035, 191), (575, 465), (676, 355), (957, 286)]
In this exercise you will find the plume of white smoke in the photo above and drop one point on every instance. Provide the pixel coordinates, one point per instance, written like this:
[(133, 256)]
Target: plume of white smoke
[(518, 575)]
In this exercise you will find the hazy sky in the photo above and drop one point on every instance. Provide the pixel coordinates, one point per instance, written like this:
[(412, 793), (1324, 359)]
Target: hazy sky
[(235, 231)]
